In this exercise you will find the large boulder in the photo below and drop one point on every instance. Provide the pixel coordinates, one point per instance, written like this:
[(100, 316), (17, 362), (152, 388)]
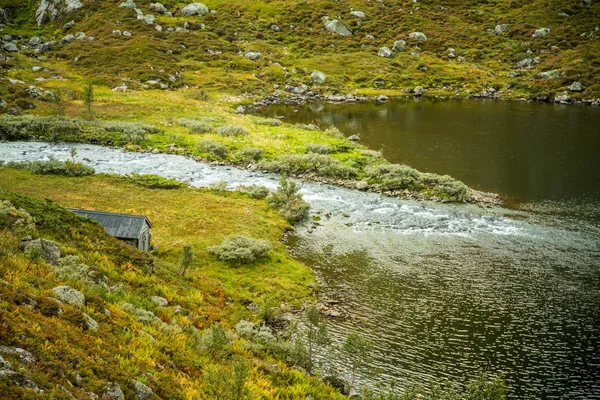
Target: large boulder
[(4, 364), (337, 27), (142, 392), (112, 391), (24, 355), (48, 250), (50, 10), (540, 33), (68, 295), (417, 36), (318, 77), (195, 9)]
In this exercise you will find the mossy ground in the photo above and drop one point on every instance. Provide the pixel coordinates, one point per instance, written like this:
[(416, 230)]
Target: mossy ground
[(211, 292)]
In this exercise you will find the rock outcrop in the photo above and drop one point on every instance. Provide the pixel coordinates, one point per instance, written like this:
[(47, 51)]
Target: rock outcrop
[(50, 10)]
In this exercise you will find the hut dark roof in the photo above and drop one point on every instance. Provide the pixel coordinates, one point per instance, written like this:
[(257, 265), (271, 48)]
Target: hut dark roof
[(122, 226)]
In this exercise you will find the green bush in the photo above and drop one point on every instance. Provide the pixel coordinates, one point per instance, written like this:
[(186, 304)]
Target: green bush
[(254, 191), (215, 341), (196, 126), (288, 201), (215, 149), (394, 176), (269, 122), (231, 130), (319, 164), (53, 167), (333, 131), (227, 383), (241, 249), (155, 181), (445, 186), (249, 154), (15, 219), (307, 127), (318, 148)]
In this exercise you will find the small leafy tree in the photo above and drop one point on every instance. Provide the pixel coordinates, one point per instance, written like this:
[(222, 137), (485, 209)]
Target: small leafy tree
[(186, 260), (308, 340), (58, 103), (241, 249), (227, 383), (288, 201), (357, 353), (88, 98)]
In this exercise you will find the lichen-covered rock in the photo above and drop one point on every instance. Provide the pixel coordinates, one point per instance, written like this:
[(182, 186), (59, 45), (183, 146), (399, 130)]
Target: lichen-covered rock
[(19, 379), (253, 55), (540, 33), (161, 301), (576, 87), (554, 74), (149, 19), (4, 364), (357, 14), (68, 295), (159, 8), (50, 10), (128, 4), (385, 52), (35, 41), (68, 25), (10, 47), (24, 355), (417, 36), (399, 45), (142, 392), (418, 91), (112, 391), (337, 27), (195, 9), (49, 250), (90, 323), (318, 77)]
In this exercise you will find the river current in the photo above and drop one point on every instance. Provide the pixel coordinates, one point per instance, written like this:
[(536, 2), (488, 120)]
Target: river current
[(443, 291)]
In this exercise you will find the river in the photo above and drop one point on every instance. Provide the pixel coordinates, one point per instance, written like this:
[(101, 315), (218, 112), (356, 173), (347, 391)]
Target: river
[(443, 291)]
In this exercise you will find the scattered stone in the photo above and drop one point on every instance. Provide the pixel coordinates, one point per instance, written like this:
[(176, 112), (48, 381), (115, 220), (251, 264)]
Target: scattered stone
[(502, 28), (80, 36), (46, 47), (4, 364), (149, 19), (576, 87), (127, 34), (300, 89), (10, 47), (3, 16), (525, 63), (417, 36), (195, 9), (68, 25), (91, 324), (540, 33), (423, 68), (275, 28), (337, 27), (253, 55), (354, 138), (418, 91), (24, 355), (3, 104), (49, 250), (357, 14), (318, 77), (379, 83), (399, 45), (128, 4), (159, 8), (562, 98), (19, 379), (68, 295), (52, 9), (112, 391), (35, 41), (554, 74), (67, 39), (161, 301), (117, 32), (158, 28), (122, 87), (385, 52), (142, 392), (240, 110), (252, 306), (381, 99)]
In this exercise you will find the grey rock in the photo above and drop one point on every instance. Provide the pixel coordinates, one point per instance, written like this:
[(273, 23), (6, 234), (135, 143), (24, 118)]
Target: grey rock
[(49, 250), (337, 27), (195, 9), (3, 15), (80, 36), (318, 77), (240, 110), (7, 38), (46, 47), (128, 4), (417, 36), (68, 25), (127, 34), (379, 83), (161, 301), (540, 33), (275, 28), (4, 364), (52, 9), (117, 32), (19, 379), (3, 104), (399, 45), (24, 355), (149, 19), (159, 8), (576, 87), (10, 47), (142, 392), (423, 68), (418, 91), (112, 391), (35, 41), (68, 295), (357, 14), (67, 39), (300, 89), (385, 52), (91, 324), (502, 28), (253, 55), (562, 98), (525, 63), (158, 28), (139, 14), (354, 138), (554, 74)]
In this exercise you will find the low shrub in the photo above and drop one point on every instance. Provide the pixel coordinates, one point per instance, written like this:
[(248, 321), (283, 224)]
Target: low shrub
[(445, 186), (269, 122), (288, 201), (48, 307), (241, 249), (155, 181), (215, 149), (196, 126), (318, 148), (249, 154), (53, 167), (214, 341), (371, 153), (307, 127), (320, 164), (15, 219), (219, 186), (231, 130), (394, 176), (254, 191), (333, 131)]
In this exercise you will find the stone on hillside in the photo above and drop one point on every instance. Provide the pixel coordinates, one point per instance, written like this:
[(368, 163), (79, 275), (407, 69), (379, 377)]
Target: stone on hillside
[(252, 55), (127, 34), (3, 16), (354, 138), (52, 9), (4, 364), (10, 47), (35, 41), (112, 391), (554, 74), (139, 14), (418, 91), (357, 14), (385, 52), (576, 87), (67, 39), (91, 324), (417, 36), (159, 8), (275, 28), (399, 45), (24, 355), (80, 36), (502, 28), (149, 19), (318, 77), (158, 28), (49, 250), (117, 32), (142, 392), (378, 83), (19, 379), (300, 89), (562, 98), (161, 301), (68, 295), (525, 63), (540, 33), (195, 9), (337, 27), (68, 25), (128, 4)]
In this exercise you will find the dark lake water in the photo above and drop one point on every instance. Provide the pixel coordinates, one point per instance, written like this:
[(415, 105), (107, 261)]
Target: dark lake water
[(524, 151)]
